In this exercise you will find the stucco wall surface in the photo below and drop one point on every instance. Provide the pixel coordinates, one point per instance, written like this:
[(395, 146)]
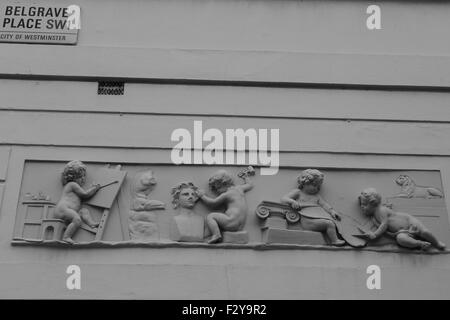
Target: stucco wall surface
[(343, 97)]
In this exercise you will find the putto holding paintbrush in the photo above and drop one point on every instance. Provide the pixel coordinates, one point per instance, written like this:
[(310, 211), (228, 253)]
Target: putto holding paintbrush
[(69, 208)]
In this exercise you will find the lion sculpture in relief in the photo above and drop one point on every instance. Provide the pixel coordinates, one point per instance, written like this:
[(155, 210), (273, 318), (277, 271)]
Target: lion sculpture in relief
[(409, 189)]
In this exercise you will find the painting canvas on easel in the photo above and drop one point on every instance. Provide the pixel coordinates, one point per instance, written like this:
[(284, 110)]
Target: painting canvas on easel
[(111, 181)]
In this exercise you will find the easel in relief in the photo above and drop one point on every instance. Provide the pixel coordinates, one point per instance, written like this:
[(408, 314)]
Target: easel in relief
[(111, 181)]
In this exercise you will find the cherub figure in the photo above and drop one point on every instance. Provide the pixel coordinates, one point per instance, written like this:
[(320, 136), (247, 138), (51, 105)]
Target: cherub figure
[(230, 195), (408, 231), (316, 213), (69, 206)]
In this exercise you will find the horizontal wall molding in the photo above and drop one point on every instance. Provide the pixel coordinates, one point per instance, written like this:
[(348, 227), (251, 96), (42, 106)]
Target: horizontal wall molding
[(287, 160), (185, 113), (226, 101), (257, 67), (291, 155), (154, 131)]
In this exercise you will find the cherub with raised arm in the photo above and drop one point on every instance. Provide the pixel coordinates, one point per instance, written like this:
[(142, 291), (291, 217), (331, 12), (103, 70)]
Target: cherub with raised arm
[(407, 230), (316, 213), (230, 195), (69, 206)]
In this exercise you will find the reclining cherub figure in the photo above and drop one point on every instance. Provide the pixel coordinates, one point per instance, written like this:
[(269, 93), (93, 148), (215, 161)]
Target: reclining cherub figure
[(407, 230)]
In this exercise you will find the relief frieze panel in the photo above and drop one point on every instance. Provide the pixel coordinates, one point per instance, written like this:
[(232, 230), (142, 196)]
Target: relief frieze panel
[(84, 204)]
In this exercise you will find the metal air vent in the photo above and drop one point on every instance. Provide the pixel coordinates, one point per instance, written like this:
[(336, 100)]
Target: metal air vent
[(111, 88)]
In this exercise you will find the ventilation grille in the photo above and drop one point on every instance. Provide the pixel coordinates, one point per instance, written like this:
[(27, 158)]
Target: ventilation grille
[(111, 88)]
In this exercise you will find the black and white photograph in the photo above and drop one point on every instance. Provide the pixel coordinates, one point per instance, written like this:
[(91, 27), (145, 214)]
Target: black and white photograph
[(224, 154)]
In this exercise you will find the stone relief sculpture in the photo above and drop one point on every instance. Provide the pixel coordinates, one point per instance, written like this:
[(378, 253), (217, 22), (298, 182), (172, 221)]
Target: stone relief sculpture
[(37, 197), (142, 221), (409, 189), (52, 229), (43, 221), (69, 207), (317, 214), (187, 225), (104, 215), (278, 218), (304, 217), (143, 185), (407, 230), (233, 198)]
